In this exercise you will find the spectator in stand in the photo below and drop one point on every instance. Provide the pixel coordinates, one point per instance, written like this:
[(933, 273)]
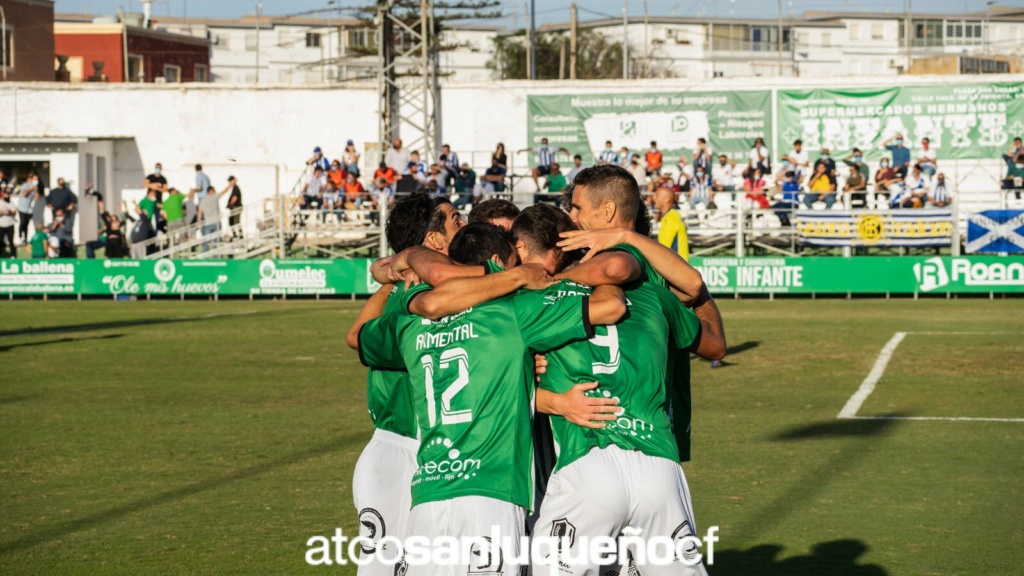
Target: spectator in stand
[(156, 181), (63, 199), (637, 171), (141, 232), (387, 172), (26, 197), (887, 181), (314, 188), (101, 223), (608, 155), (1014, 179), (173, 210), (624, 157), (916, 186), (351, 159), (1015, 150), (62, 230), (790, 198), (940, 196), (926, 158), (234, 207), (40, 240), (355, 194), (39, 206), (900, 153), (700, 189), (556, 181), (465, 185), (681, 175), (493, 180), (823, 187), (754, 186), (397, 157), (855, 160), (722, 175), (202, 182), (115, 247), (672, 230), (760, 157), (577, 167), (7, 213), (856, 186), (414, 160), (545, 156), (438, 176), (414, 172), (653, 160), (826, 159), (495, 211), (453, 159), (499, 156), (702, 156), (318, 160), (330, 202), (336, 174), (209, 215), (797, 162), (447, 172), (382, 190), (150, 206), (4, 182)]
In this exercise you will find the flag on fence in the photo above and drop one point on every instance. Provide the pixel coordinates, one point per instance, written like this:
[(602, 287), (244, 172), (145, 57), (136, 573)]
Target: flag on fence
[(996, 231)]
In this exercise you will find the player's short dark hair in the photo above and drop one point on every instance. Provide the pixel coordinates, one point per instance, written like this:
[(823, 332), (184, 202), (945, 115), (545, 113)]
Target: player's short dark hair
[(408, 221), (608, 182), (539, 228), (438, 217), (492, 209), (475, 243)]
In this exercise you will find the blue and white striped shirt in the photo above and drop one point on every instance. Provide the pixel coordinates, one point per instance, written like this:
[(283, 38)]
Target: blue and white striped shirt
[(700, 187), (545, 155), (608, 156), (940, 194)]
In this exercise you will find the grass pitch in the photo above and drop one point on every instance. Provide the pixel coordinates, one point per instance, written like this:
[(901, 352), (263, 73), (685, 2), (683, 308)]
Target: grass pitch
[(217, 437)]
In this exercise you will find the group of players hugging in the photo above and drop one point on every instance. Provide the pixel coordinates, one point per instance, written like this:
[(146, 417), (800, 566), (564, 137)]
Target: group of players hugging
[(531, 377)]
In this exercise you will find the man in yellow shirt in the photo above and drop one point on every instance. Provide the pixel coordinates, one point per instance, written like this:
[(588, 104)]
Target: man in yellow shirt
[(673, 230)]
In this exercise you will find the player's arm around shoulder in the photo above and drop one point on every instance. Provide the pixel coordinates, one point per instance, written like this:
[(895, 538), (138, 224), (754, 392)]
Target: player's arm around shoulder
[(458, 294), (373, 308), (605, 268), (607, 305)]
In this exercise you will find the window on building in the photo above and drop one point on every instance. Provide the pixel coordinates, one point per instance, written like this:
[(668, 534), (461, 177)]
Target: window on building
[(136, 73), (964, 32), (765, 39), (312, 39), (877, 32), (172, 73), (854, 31), (284, 37), (826, 39), (223, 42), (202, 73), (251, 42), (7, 54)]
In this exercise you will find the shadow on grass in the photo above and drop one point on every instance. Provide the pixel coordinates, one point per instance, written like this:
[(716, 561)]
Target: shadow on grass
[(732, 351), (834, 558), (58, 531), (58, 341), (18, 398), (838, 429)]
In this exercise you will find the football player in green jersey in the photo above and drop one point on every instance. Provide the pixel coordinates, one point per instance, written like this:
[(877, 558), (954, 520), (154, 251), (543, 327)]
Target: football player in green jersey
[(472, 379)]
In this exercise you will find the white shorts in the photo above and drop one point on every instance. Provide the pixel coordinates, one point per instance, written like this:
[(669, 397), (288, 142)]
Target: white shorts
[(610, 489), (382, 491), (472, 517)]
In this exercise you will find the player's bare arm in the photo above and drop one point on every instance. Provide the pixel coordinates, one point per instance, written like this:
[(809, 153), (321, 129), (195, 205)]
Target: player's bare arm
[(458, 294), (373, 308), (605, 268), (607, 305), (676, 271), (431, 266), (576, 407)]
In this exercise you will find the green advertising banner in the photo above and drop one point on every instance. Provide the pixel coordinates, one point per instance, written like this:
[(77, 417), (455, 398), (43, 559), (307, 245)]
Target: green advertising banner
[(961, 120), (859, 275), (730, 121), (862, 275), (186, 277)]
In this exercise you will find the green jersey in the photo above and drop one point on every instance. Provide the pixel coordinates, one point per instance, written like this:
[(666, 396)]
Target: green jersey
[(174, 207), (630, 361), (472, 381), (148, 206), (388, 394), (38, 244)]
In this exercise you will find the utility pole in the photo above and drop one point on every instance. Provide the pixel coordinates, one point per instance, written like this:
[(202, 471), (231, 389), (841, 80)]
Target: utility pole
[(3, 32), (258, 6), (780, 37), (646, 47), (572, 41), (909, 31), (561, 60), (531, 58), (625, 40)]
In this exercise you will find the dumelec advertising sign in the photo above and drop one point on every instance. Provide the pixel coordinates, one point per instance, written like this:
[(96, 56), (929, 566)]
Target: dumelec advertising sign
[(860, 275)]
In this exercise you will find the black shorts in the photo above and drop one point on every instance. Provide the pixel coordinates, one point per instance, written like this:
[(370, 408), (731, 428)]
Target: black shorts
[(544, 170)]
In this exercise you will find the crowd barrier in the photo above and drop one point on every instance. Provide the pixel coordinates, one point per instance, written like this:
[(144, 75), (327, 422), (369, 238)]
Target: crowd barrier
[(311, 277)]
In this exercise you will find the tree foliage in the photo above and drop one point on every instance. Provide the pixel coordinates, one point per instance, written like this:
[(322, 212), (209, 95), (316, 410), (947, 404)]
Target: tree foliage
[(597, 56)]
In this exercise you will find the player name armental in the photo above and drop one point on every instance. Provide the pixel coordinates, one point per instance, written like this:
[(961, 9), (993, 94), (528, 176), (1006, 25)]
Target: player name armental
[(442, 339)]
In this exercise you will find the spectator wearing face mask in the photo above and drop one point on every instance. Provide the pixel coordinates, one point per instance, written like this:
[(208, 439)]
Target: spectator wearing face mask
[(682, 174), (856, 186), (465, 184), (940, 196), (354, 191), (855, 160), (1015, 176), (157, 182), (317, 160), (608, 155), (24, 200), (900, 153), (723, 175), (926, 158), (577, 167), (887, 181), (637, 171), (700, 189), (826, 159), (754, 186), (790, 198), (822, 187), (653, 160), (760, 157), (915, 189), (797, 162)]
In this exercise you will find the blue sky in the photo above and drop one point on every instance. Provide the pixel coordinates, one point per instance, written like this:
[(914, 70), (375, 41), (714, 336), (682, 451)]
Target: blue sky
[(547, 10)]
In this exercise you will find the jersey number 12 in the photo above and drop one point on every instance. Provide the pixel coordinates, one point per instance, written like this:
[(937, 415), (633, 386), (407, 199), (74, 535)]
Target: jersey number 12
[(459, 359)]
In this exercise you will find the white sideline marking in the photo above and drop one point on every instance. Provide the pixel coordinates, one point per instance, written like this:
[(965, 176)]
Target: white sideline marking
[(868, 385), (126, 323), (849, 412), (961, 333)]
